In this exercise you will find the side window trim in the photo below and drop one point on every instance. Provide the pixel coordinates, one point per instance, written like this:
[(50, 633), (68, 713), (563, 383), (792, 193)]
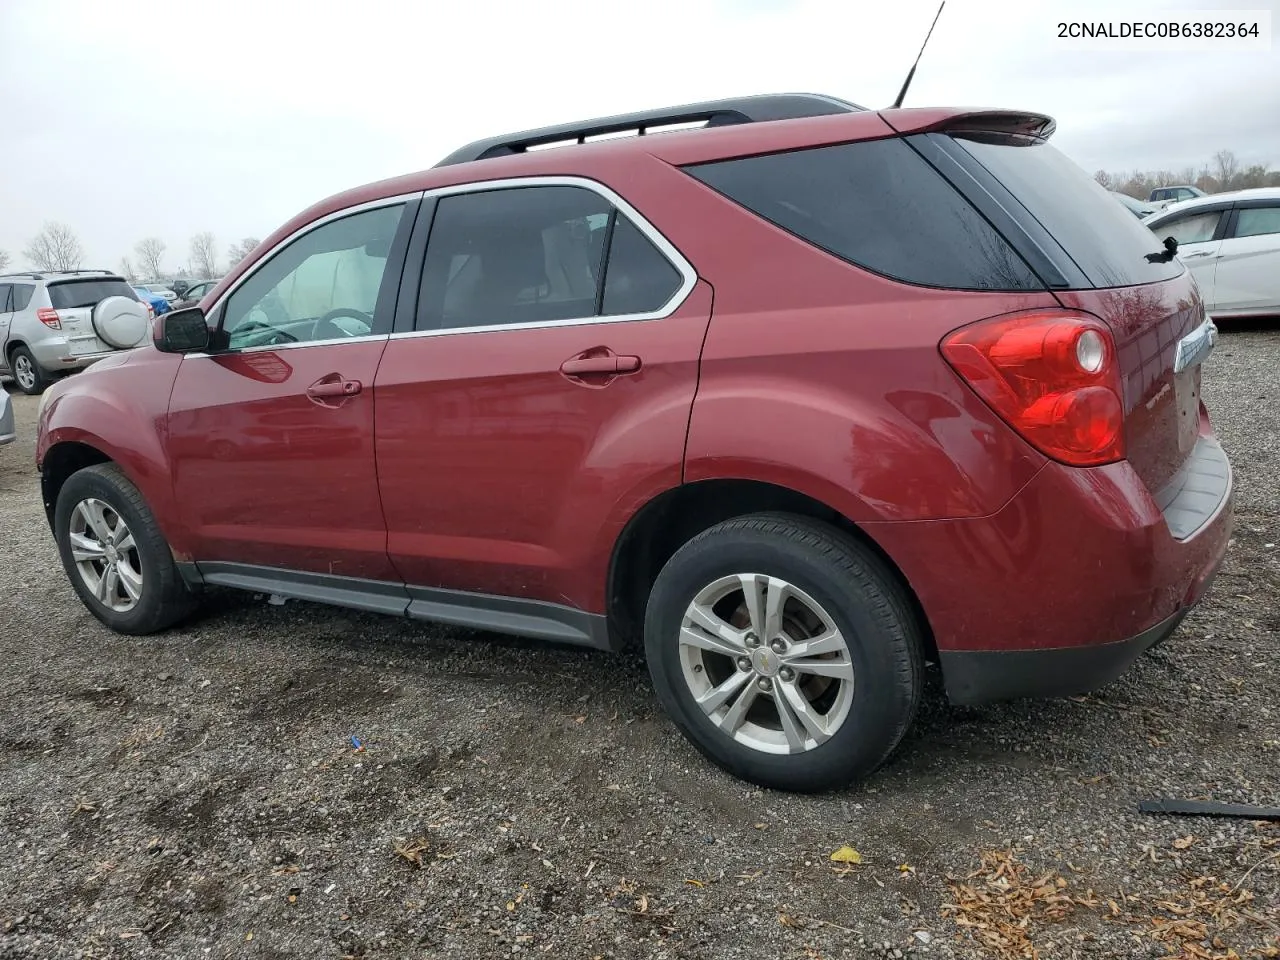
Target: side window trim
[(1242, 205), (387, 291), (689, 276)]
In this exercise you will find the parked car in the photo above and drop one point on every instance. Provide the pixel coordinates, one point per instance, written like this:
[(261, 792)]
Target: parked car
[(155, 301), (163, 289), (53, 323), (1231, 242), (196, 292), (1164, 196), (8, 431), (944, 404), (1136, 207)]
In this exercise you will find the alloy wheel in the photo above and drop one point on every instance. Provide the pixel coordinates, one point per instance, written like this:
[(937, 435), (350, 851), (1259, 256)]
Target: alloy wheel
[(24, 372), (766, 663), (105, 555)]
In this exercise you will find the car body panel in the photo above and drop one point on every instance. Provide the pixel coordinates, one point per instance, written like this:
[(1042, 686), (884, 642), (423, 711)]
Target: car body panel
[(501, 475), (8, 427), (118, 407), (1247, 276), (281, 480)]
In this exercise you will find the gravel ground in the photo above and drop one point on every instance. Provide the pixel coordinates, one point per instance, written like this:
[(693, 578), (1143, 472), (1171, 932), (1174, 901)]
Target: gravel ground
[(197, 794)]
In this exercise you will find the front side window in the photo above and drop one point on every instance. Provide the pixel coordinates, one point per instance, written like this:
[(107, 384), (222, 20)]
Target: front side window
[(1256, 221), (1195, 228), (6, 302), (542, 254), (322, 286)]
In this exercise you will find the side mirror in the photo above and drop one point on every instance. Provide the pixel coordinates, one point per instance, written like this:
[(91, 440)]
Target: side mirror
[(181, 331)]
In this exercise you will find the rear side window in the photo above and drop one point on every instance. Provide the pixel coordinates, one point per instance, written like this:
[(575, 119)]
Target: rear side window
[(540, 254), (878, 205), (1256, 221), (70, 294), (1109, 246), (6, 303), (22, 295)]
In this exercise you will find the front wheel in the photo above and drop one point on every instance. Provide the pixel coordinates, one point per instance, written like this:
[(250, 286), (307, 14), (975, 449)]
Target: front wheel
[(785, 651), (115, 555)]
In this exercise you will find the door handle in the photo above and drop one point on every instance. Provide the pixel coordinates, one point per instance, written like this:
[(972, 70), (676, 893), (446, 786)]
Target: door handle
[(327, 389), (609, 363), (1203, 253)]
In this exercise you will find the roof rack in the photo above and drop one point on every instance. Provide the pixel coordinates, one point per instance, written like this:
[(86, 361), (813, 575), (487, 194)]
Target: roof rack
[(23, 273), (715, 113)]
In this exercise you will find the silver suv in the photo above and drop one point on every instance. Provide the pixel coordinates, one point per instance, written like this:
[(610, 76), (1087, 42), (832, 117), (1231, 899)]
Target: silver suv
[(52, 323)]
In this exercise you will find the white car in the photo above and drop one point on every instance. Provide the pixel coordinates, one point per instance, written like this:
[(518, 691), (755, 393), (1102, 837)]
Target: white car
[(1231, 244)]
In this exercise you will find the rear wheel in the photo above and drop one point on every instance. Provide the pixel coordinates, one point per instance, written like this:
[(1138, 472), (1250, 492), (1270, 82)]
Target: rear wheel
[(115, 555), (785, 651), (30, 378)]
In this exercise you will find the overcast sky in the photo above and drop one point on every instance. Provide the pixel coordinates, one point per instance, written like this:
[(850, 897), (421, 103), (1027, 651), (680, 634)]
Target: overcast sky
[(135, 118)]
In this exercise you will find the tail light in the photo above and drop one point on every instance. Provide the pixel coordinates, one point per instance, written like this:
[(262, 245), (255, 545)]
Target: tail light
[(49, 317), (1053, 376)]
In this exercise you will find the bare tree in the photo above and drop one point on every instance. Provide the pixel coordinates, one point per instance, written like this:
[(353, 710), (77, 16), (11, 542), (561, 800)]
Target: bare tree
[(204, 254), (55, 247), (1226, 166), (150, 253), (4, 259), (238, 251), (126, 270), (1104, 178)]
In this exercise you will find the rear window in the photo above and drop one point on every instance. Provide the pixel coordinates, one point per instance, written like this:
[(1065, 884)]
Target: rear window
[(1108, 245), (879, 205), (70, 294)]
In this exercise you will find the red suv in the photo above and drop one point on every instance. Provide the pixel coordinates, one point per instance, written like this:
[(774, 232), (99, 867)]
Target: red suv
[(801, 398)]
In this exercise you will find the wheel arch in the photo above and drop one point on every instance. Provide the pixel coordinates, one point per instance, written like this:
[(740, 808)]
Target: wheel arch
[(670, 519), (61, 461)]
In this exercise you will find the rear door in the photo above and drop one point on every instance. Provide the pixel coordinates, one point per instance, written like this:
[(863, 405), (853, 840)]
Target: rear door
[(1248, 260), (271, 432), (1108, 264), (540, 390)]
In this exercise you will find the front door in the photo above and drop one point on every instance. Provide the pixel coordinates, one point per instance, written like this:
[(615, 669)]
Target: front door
[(546, 391), (1199, 236), (271, 436)]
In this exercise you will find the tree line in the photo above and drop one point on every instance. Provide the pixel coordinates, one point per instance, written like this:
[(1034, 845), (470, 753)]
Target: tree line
[(57, 248), (1223, 172)]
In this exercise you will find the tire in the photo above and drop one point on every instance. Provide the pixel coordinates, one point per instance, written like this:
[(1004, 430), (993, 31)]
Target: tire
[(146, 567), (863, 718), (27, 373)]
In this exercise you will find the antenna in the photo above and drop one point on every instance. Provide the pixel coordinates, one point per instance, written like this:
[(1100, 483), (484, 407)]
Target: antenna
[(912, 72)]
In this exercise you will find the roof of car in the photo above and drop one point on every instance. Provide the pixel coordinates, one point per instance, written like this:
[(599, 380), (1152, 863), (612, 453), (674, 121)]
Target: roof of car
[(1219, 199), (58, 274)]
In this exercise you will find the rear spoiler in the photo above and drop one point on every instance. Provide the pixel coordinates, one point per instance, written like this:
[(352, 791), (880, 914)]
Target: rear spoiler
[(1008, 124)]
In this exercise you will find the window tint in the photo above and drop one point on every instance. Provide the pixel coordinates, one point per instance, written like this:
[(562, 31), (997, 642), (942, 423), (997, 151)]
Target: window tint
[(639, 279), (71, 294), (22, 295), (878, 205), (323, 286), (1193, 228), (523, 255), (1108, 246), (1255, 221)]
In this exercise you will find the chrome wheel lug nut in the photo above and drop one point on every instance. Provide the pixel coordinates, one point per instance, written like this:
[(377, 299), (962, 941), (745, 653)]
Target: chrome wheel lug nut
[(778, 646), (786, 673), (763, 684), (744, 663), (753, 640)]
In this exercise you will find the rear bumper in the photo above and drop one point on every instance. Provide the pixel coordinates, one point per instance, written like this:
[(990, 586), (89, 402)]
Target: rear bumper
[(974, 677), (1061, 589), (54, 354)]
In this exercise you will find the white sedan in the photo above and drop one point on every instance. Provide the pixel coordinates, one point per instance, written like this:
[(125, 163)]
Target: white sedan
[(1231, 244)]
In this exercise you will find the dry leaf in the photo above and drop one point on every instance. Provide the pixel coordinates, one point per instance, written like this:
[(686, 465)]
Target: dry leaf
[(1183, 842), (846, 854), (695, 883)]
